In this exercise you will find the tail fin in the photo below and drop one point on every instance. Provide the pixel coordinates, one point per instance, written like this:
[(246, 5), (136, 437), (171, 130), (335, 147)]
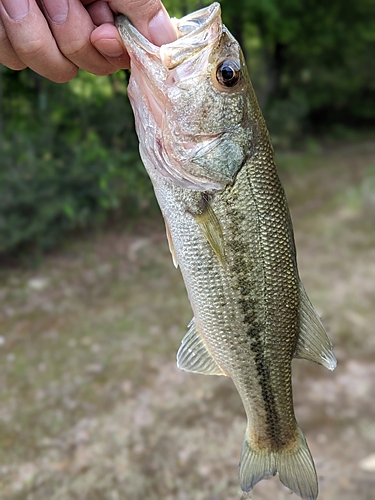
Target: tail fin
[(295, 467)]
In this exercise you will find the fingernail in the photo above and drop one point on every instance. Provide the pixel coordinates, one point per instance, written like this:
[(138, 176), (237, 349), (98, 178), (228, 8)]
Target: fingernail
[(161, 29), (57, 11), (109, 47), (16, 9)]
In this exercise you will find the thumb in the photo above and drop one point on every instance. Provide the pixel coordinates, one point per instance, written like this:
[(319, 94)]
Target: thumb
[(149, 17)]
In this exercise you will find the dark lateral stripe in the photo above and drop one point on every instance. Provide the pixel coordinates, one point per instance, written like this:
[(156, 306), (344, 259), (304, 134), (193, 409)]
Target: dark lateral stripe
[(242, 271)]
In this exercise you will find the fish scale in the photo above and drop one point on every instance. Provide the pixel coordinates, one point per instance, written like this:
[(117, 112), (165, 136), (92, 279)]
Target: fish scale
[(207, 150), (258, 320)]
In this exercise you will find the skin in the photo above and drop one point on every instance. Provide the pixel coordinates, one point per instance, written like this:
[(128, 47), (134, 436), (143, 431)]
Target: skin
[(55, 39)]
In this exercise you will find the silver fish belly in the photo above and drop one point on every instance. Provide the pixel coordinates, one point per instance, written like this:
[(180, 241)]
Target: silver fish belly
[(205, 145)]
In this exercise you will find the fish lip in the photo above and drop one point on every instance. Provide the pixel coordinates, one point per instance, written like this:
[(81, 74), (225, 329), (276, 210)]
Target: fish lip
[(198, 21), (131, 35), (194, 31)]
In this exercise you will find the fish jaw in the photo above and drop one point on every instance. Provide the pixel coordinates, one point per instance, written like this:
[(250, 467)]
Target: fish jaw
[(173, 94)]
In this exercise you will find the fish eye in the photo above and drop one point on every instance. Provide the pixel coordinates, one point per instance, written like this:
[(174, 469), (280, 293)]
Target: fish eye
[(228, 73)]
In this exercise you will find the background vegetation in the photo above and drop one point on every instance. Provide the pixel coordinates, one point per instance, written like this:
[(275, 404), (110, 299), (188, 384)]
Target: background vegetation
[(68, 153), (93, 406)]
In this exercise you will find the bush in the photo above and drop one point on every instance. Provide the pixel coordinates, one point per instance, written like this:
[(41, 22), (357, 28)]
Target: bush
[(68, 158), (44, 195)]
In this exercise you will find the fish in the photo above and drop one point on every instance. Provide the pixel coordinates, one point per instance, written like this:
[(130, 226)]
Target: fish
[(205, 145)]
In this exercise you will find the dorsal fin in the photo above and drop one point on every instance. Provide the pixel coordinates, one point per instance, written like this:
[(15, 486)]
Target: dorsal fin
[(313, 342), (193, 355)]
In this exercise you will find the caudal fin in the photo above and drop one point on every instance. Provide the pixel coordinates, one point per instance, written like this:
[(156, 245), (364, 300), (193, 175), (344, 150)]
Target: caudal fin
[(295, 467)]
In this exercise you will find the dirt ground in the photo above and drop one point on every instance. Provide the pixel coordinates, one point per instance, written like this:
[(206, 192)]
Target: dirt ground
[(93, 406)]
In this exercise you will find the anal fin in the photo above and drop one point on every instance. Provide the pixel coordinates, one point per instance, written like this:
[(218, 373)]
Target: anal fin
[(313, 342), (193, 355)]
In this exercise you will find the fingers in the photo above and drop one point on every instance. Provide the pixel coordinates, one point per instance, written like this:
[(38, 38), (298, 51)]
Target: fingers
[(7, 55), (100, 13), (149, 17), (55, 42), (65, 36), (27, 41), (106, 40), (71, 25)]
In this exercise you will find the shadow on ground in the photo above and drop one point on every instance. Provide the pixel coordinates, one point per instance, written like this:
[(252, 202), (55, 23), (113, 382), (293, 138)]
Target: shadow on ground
[(93, 405)]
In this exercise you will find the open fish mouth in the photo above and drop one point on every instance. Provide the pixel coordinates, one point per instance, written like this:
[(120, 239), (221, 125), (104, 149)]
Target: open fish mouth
[(194, 32), (189, 130)]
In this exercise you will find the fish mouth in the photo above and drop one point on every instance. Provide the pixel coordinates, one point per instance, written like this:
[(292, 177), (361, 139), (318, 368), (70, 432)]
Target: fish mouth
[(172, 140), (194, 32)]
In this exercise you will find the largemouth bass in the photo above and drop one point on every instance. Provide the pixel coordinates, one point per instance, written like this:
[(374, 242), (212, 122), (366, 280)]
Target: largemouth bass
[(206, 148)]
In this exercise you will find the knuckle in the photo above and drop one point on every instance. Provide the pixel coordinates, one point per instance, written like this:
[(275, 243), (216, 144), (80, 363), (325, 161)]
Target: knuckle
[(9, 59), (84, 56), (75, 48), (144, 4), (31, 48), (146, 8), (3, 37), (8, 56)]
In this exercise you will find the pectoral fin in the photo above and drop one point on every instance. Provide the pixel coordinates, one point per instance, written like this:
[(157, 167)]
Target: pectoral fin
[(193, 355), (211, 228), (313, 342), (170, 244)]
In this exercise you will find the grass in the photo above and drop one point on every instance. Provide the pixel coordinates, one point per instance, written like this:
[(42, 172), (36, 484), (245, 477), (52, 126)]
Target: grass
[(92, 404)]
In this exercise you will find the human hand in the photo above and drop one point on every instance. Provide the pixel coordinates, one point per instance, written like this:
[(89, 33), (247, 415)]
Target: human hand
[(56, 38)]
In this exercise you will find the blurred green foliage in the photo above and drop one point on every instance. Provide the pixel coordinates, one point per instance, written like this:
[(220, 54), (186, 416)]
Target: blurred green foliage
[(68, 153), (68, 158), (312, 65)]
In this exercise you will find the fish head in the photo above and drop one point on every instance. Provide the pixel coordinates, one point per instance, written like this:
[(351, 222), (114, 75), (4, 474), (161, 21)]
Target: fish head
[(191, 101)]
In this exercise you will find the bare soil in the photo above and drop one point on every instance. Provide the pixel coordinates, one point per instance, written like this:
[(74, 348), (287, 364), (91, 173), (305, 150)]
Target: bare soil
[(93, 406)]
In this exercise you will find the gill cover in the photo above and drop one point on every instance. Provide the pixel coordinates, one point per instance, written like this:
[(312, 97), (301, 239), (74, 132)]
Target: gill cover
[(192, 127)]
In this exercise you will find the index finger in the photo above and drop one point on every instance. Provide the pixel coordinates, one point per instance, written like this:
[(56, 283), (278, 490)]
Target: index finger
[(32, 41)]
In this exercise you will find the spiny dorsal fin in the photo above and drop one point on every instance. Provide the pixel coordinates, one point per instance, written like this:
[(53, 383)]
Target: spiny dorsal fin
[(171, 244), (211, 228), (193, 355), (313, 342)]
